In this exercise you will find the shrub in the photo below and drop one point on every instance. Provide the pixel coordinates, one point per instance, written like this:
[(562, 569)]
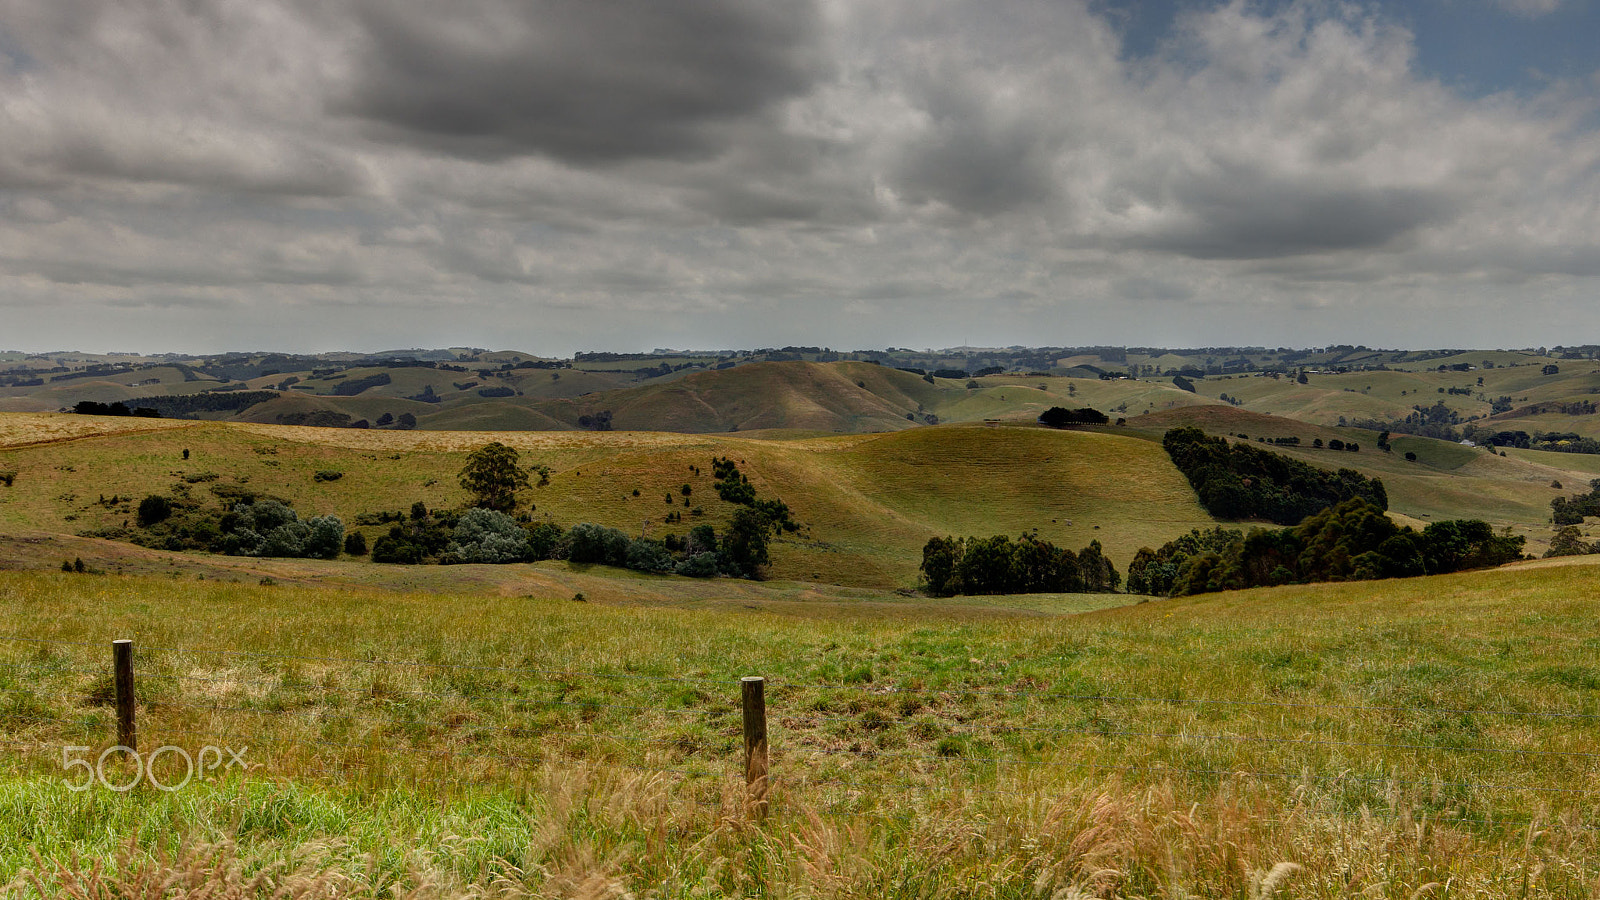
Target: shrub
[(8, 478), (489, 536), (698, 565), (589, 543), (154, 509), (327, 475), (648, 556), (397, 547), (543, 537), (355, 544), (269, 528)]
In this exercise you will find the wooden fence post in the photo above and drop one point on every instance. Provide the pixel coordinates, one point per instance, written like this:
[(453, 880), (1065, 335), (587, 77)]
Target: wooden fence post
[(756, 772), (122, 660)]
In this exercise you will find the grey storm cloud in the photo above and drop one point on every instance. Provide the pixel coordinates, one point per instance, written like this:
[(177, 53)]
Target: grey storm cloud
[(1243, 213), (833, 169), (582, 81)]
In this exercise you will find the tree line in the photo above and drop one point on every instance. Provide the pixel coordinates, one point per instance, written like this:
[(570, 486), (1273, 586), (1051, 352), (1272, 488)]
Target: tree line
[(1240, 481), (1352, 541), (91, 408), (185, 406), (1027, 565)]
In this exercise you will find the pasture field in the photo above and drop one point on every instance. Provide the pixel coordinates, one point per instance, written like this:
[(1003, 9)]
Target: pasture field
[(868, 503), (1446, 481), (1431, 737)]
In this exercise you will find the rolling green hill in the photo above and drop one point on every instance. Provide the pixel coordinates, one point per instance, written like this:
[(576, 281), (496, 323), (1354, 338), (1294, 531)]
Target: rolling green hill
[(1446, 481), (868, 503)]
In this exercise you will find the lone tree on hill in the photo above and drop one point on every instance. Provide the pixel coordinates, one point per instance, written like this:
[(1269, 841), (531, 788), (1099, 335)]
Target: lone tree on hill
[(492, 475)]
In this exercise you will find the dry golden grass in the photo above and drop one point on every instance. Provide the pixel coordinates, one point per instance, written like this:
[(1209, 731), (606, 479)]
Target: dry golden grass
[(32, 429), (1324, 741)]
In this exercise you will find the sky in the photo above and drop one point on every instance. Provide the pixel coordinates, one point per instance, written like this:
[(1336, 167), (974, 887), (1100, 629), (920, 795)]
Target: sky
[(564, 175)]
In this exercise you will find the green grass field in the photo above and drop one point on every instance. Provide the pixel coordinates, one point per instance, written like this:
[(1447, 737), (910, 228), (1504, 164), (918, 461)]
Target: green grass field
[(1362, 740)]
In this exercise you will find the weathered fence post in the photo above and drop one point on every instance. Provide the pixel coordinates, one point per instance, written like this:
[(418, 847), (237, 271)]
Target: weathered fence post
[(122, 660), (756, 773)]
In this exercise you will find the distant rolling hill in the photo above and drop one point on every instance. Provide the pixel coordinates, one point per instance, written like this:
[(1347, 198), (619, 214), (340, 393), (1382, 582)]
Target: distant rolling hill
[(844, 397), (849, 397)]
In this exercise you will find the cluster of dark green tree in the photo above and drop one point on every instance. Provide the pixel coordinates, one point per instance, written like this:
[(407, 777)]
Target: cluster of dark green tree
[(1436, 421), (249, 526), (489, 533), (1352, 541), (482, 535), (1060, 417), (91, 408), (1027, 565), (735, 487), (1239, 481), (188, 406), (354, 386), (1556, 441), (1568, 541), (1571, 510)]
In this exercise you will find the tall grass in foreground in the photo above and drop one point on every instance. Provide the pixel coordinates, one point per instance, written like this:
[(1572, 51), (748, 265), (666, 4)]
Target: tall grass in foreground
[(1381, 737)]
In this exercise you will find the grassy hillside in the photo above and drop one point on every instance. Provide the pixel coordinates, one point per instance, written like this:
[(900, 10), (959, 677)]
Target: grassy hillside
[(1446, 481), (1378, 740), (869, 503)]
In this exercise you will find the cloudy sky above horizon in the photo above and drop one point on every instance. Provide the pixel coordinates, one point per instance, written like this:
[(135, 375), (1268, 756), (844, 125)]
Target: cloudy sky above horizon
[(561, 175)]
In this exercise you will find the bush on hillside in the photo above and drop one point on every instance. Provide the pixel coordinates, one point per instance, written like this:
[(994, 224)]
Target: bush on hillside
[(154, 509), (269, 528), (489, 536), (594, 544), (423, 535)]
